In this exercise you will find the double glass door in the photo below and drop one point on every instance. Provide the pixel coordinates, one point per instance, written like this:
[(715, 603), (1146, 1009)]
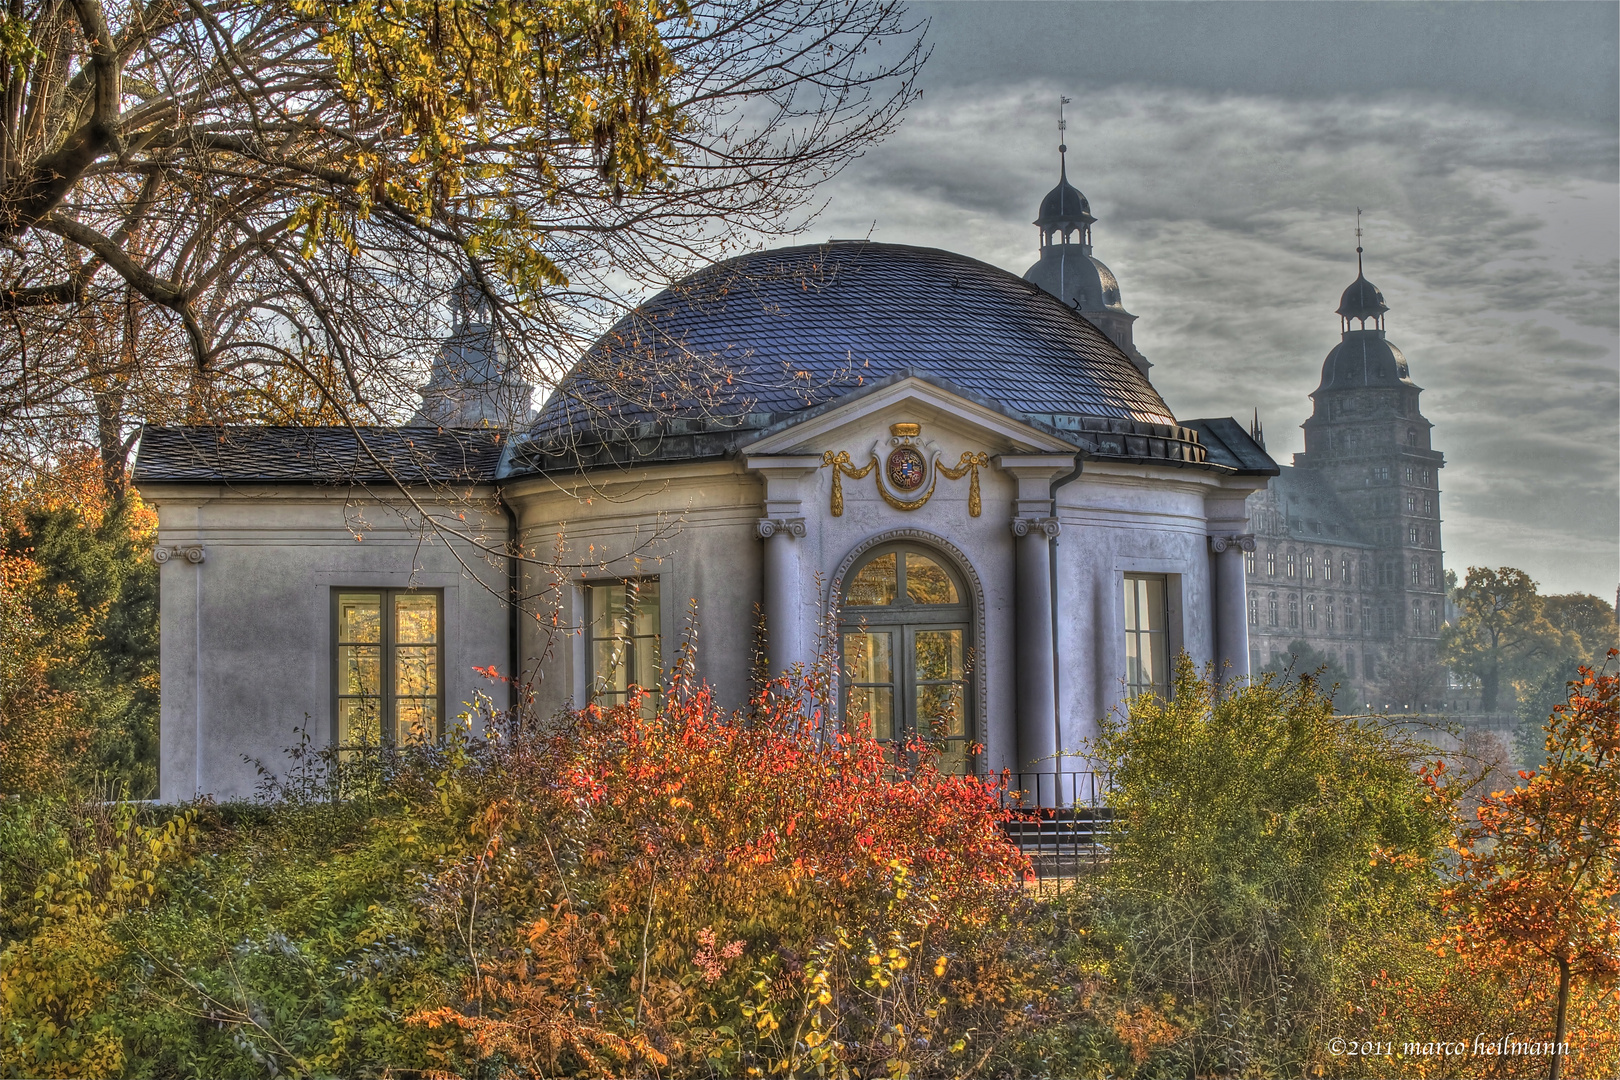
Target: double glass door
[(907, 655)]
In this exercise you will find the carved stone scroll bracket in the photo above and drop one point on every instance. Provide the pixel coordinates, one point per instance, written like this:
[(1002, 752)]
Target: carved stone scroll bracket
[(192, 553), (1243, 541), (1023, 526), (769, 527)]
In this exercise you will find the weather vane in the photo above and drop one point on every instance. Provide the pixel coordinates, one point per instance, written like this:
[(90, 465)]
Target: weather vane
[(1358, 241), (1063, 125)]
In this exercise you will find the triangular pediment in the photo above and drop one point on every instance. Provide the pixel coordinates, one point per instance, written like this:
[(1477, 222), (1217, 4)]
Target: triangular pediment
[(911, 398)]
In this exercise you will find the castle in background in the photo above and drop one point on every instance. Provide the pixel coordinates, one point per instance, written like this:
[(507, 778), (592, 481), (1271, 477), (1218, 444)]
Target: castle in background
[(1348, 556)]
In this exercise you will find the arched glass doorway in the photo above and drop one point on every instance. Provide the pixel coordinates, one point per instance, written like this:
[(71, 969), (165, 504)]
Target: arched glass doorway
[(906, 651)]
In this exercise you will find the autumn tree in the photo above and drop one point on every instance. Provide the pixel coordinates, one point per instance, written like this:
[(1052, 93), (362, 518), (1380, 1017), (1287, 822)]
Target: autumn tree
[(1539, 871), (226, 193), (1502, 635), (80, 633), (1590, 619)]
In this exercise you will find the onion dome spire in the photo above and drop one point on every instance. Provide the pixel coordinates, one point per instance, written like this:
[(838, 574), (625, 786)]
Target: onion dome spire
[(1361, 302), (1065, 210)]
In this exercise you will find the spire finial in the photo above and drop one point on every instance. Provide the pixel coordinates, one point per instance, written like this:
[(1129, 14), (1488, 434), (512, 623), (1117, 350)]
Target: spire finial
[(1358, 242), (1063, 147)]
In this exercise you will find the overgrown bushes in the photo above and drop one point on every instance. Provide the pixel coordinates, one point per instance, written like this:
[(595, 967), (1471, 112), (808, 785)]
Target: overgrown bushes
[(1266, 854), (691, 893), (701, 894)]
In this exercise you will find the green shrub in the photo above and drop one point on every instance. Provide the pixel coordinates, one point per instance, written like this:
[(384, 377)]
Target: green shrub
[(1266, 855)]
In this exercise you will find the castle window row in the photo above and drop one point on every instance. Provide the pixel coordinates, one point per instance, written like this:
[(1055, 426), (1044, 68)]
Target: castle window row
[(1322, 615), (1295, 566), (1412, 503)]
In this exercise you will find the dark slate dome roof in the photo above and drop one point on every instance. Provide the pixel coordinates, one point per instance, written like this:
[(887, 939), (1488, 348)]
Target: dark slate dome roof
[(1068, 273), (1064, 204), (1362, 300), (751, 341), (1364, 358)]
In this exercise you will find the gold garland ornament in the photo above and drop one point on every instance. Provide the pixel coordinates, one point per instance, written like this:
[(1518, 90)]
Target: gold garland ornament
[(843, 466), (967, 465)]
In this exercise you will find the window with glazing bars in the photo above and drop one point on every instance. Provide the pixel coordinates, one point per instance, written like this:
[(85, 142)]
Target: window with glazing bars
[(624, 641), (388, 667), (1147, 636)]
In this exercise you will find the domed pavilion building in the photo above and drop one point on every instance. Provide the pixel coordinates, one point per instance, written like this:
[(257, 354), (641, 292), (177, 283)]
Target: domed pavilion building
[(959, 483)]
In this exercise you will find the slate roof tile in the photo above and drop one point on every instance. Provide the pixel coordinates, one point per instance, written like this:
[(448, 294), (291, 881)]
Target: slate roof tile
[(775, 332), (317, 455)]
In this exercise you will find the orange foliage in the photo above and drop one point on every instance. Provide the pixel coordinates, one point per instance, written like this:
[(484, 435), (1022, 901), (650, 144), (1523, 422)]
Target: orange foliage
[(74, 482), (1483, 994), (1539, 871), (40, 733), (740, 880)]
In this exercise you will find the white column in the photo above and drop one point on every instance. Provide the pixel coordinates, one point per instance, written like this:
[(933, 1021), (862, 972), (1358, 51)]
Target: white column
[(1033, 528), (788, 480), (1231, 619), (782, 592), (1036, 661)]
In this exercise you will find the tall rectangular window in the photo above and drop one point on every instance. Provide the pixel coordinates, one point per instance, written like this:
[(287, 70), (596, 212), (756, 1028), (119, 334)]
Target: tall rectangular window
[(624, 641), (1271, 564), (388, 684), (1147, 636), (1310, 567), (1293, 567)]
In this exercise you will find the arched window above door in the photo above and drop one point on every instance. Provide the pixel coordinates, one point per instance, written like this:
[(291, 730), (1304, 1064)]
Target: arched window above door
[(906, 650)]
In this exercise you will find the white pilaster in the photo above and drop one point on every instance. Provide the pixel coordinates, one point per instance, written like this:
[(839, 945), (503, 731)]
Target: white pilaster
[(1231, 620), (788, 641), (1034, 528)]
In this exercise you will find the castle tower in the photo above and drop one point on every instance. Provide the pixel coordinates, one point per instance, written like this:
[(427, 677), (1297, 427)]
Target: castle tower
[(1068, 270), (1348, 558), (473, 383)]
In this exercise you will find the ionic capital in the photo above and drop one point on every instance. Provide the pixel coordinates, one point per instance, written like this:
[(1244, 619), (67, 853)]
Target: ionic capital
[(769, 527), (192, 553), (1023, 526), (1243, 541)]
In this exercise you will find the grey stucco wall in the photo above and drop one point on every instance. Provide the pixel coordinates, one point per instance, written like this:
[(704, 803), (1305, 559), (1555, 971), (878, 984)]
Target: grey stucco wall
[(693, 525), (246, 633)]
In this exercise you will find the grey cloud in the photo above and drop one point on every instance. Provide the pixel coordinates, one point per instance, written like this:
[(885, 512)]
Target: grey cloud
[(1534, 59), (1229, 222)]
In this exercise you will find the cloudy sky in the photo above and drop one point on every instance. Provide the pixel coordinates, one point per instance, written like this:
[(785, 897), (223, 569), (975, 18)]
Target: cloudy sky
[(1225, 148)]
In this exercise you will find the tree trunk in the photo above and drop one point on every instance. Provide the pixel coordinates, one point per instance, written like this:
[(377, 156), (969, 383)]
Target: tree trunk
[(1489, 686), (1557, 1065)]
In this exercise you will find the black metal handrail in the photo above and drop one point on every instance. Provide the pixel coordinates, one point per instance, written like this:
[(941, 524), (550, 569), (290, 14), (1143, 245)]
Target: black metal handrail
[(1058, 819)]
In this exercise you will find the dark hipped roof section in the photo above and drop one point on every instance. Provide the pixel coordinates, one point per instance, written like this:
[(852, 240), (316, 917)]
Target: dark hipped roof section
[(1228, 444), (1312, 510), (317, 455), (746, 344)]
